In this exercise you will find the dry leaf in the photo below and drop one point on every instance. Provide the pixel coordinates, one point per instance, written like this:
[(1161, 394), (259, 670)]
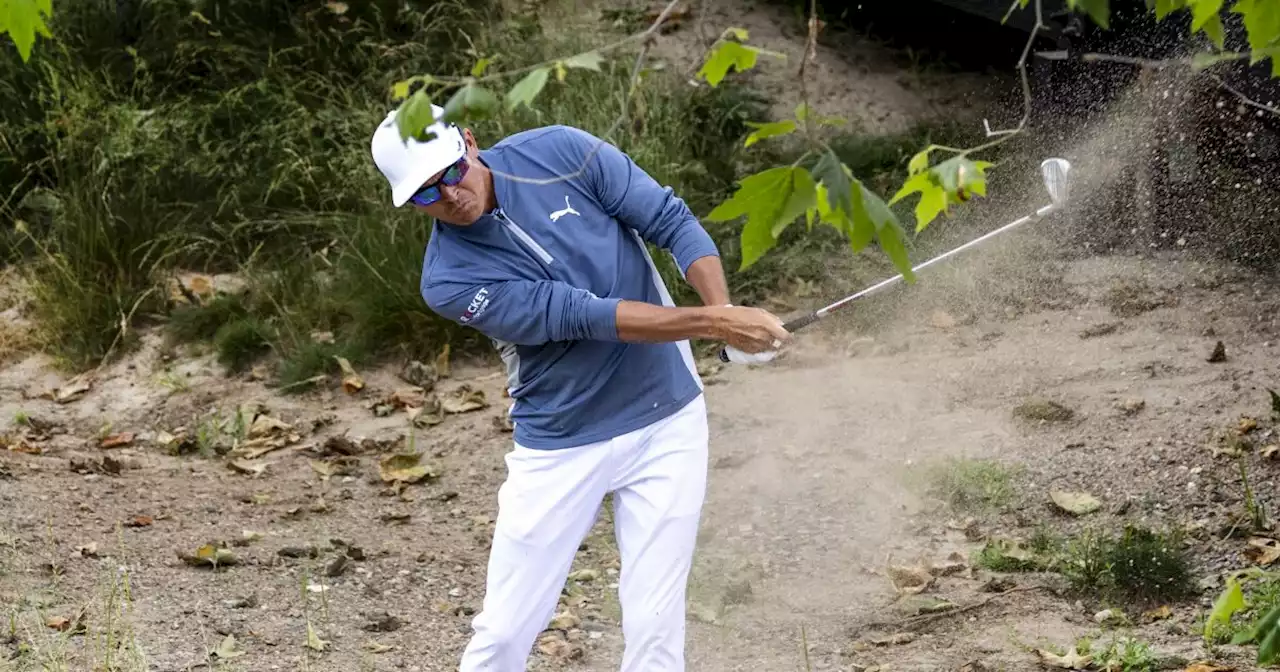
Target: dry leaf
[(140, 521), (20, 445), (1072, 661), (58, 623), (324, 469), (407, 397), (1270, 452), (419, 375), (1158, 614), (247, 468), (209, 555), (442, 362), (1262, 551), (896, 639), (376, 647), (909, 580), (351, 381), (265, 425), (1075, 503), (338, 8), (1247, 424), (255, 448), (584, 575), (405, 468), (89, 550), (464, 399), (117, 440), (74, 389), (227, 649), (954, 564), (1207, 667), (565, 620), (313, 640)]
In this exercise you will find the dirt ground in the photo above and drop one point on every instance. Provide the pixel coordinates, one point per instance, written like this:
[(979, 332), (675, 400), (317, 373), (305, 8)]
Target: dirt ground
[(811, 495), (815, 487)]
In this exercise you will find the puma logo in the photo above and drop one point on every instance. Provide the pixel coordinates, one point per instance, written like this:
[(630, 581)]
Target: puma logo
[(568, 210)]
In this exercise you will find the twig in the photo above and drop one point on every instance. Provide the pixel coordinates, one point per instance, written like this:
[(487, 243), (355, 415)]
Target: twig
[(914, 621), (646, 39), (1004, 134), (1245, 99)]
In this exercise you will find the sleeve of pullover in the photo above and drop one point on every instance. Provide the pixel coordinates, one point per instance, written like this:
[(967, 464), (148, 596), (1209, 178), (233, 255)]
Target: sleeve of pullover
[(525, 312), (632, 196)]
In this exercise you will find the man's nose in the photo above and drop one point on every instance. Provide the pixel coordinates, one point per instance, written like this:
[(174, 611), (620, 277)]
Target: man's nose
[(450, 193)]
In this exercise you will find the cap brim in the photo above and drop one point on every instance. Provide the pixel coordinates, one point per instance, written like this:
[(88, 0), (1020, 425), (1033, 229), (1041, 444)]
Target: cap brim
[(430, 157)]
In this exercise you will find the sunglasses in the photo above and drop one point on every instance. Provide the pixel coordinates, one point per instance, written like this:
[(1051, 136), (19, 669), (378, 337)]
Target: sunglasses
[(451, 177)]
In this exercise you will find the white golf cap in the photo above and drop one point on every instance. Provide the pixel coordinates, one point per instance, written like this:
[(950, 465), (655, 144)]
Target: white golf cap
[(408, 163)]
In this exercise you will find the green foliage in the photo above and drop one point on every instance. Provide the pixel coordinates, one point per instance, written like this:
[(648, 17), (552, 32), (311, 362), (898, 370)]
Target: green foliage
[(23, 20), (971, 485), (730, 54), (1249, 616), (1139, 564), (241, 341)]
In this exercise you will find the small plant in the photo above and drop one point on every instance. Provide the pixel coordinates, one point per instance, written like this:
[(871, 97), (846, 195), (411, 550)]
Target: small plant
[(240, 342), (1248, 617), (972, 485), (1140, 564), (1127, 655)]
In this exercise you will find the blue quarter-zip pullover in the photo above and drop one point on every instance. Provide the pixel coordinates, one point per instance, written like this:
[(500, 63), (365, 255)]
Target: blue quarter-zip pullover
[(541, 276)]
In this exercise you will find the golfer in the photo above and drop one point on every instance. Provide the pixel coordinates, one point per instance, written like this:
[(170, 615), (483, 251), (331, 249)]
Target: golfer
[(607, 398)]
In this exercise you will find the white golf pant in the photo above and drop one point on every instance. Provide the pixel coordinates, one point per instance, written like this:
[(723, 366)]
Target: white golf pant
[(549, 502)]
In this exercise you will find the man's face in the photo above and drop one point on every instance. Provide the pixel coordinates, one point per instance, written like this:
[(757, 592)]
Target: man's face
[(463, 203)]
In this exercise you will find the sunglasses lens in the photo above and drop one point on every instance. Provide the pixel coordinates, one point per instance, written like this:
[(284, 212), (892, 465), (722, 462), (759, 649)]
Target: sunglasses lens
[(454, 174), (427, 196)]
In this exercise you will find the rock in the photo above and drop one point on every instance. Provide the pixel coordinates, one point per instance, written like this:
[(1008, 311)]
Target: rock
[(943, 320), (1131, 406), (382, 622), (1219, 354), (298, 552), (1103, 329), (337, 566), (565, 620)]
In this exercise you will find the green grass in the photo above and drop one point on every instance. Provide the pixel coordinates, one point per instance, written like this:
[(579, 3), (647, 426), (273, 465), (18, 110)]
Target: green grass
[(971, 485), (156, 145)]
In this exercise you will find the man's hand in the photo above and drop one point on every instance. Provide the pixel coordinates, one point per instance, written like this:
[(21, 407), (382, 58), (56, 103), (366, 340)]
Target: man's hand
[(750, 330)]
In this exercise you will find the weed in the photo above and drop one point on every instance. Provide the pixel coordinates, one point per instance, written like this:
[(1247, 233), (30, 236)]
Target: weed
[(972, 485), (1260, 597), (240, 342), (1139, 564), (1126, 654)]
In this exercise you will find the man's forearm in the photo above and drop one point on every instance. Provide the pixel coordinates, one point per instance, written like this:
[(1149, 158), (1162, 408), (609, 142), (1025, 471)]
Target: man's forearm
[(641, 322), (706, 275)]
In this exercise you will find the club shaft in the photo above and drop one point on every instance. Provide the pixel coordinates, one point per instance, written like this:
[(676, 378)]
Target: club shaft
[(822, 312)]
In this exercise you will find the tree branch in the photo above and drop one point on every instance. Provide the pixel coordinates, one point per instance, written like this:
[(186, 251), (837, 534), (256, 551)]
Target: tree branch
[(646, 39), (1004, 134)]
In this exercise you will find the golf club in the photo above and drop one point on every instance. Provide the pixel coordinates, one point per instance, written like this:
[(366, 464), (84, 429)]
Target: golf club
[(1054, 172)]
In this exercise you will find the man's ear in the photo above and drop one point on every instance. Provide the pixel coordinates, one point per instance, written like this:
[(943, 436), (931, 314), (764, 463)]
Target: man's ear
[(470, 141)]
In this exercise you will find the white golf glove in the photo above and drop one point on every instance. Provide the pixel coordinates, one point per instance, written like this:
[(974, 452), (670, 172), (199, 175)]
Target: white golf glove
[(737, 356)]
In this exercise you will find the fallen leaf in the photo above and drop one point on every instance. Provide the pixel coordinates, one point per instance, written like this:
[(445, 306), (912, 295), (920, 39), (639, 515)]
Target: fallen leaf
[(408, 397), (227, 649), (910, 580), (429, 416), (140, 521), (209, 555), (1246, 425), (58, 623), (246, 467), (1073, 660), (895, 639), (935, 606), (313, 640), (324, 469), (954, 564), (255, 448), (405, 468), (419, 375), (1158, 614), (117, 440), (463, 400), (376, 647), (1208, 667), (1262, 551), (442, 362), (584, 575), (1075, 503), (1270, 452), (266, 425), (20, 445), (89, 550), (565, 620), (74, 389), (351, 381)]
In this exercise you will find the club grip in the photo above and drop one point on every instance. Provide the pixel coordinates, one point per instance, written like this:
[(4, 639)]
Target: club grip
[(801, 322)]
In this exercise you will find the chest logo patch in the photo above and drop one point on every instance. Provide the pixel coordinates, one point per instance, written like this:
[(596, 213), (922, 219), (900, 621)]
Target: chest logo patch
[(568, 210)]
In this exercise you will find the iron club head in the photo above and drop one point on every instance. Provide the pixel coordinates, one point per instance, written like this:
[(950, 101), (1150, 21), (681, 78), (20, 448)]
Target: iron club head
[(1056, 179)]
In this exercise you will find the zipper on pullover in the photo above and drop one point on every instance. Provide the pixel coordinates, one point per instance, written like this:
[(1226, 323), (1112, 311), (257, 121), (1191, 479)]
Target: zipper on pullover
[(525, 238)]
